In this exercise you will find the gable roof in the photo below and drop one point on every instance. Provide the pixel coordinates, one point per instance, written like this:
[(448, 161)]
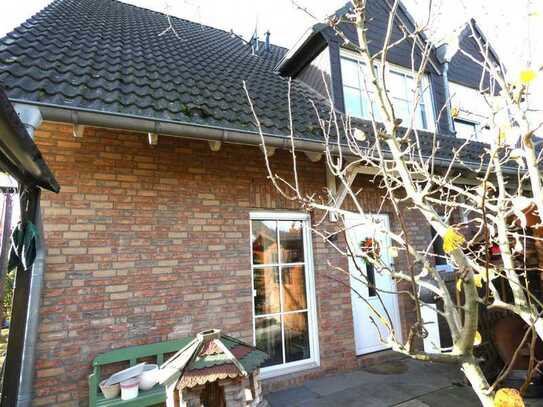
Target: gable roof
[(107, 56), (462, 68), (316, 37), (105, 60)]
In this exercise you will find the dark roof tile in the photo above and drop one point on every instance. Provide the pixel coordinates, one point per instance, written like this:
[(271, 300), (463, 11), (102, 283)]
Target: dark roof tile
[(108, 56)]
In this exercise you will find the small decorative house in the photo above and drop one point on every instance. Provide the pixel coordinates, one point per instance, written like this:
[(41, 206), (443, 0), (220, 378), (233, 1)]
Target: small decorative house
[(213, 370)]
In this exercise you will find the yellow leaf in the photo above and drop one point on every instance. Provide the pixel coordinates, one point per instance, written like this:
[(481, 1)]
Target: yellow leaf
[(502, 135), (508, 398), (452, 240), (455, 112), (459, 284), (527, 75), (478, 280), (477, 340)]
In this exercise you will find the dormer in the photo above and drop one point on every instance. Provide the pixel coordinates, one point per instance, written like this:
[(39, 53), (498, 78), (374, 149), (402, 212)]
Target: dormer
[(469, 83), (327, 63)]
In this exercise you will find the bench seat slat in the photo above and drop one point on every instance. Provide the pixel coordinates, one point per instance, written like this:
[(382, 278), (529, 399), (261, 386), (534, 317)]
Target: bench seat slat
[(145, 398)]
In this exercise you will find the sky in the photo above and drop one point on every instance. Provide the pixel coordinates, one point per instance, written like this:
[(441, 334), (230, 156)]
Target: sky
[(505, 22)]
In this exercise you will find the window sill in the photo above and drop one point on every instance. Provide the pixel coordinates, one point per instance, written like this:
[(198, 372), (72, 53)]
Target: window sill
[(276, 371)]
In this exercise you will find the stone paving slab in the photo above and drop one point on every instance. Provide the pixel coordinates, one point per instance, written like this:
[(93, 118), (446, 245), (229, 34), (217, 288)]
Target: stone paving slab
[(416, 385)]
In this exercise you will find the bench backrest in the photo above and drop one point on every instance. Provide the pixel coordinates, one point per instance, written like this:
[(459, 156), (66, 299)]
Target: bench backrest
[(131, 354)]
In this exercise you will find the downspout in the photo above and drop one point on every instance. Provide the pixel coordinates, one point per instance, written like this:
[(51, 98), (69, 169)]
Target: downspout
[(31, 118), (24, 398), (444, 56)]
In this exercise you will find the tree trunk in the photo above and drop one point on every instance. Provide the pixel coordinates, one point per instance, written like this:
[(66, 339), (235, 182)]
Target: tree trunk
[(478, 382)]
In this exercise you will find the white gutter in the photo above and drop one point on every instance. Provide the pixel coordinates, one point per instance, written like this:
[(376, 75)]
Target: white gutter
[(112, 120), (170, 127)]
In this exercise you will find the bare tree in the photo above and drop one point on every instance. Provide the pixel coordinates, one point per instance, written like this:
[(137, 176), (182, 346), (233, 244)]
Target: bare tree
[(503, 191)]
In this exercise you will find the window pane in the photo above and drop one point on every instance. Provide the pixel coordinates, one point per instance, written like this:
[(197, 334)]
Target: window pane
[(376, 110), (465, 130), (349, 73), (293, 288), (396, 85), (296, 337), (402, 111), (264, 242), (421, 121), (353, 106), (291, 241), (266, 281), (268, 339), (410, 87)]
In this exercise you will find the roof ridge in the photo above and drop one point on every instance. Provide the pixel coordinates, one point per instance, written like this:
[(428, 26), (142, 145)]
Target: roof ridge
[(124, 4), (177, 18)]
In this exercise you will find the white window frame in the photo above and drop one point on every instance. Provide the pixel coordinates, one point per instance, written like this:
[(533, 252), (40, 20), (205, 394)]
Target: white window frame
[(314, 360), (469, 121), (427, 97)]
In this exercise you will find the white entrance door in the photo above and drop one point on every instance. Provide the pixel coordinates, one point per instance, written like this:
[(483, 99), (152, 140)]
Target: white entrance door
[(367, 338)]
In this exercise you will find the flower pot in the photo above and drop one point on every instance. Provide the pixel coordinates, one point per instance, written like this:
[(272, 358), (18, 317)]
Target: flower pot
[(149, 377), (129, 388), (110, 391)]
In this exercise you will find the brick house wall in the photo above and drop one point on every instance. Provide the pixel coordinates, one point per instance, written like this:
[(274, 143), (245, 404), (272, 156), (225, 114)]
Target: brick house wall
[(150, 243)]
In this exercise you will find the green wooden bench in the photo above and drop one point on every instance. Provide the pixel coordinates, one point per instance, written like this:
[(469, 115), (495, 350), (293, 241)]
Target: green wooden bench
[(156, 395)]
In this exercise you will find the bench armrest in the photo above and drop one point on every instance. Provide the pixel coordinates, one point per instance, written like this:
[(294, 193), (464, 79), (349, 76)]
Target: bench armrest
[(93, 387)]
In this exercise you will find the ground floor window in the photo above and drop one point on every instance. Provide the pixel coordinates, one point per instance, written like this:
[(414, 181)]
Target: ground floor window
[(283, 290)]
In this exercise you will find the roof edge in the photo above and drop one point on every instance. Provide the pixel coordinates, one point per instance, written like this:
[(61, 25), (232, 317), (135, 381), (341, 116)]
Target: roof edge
[(18, 152), (63, 114)]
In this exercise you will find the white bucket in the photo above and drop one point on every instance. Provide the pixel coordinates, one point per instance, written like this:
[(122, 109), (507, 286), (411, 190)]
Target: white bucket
[(129, 388)]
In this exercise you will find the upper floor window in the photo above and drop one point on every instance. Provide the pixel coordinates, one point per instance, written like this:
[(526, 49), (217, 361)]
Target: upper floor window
[(470, 110), (414, 108), (466, 129)]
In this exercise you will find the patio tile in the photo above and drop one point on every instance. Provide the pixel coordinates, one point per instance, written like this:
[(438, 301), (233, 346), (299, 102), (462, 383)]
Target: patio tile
[(385, 393), (320, 402), (290, 397), (350, 398), (422, 385), (332, 384), (413, 403), (451, 397)]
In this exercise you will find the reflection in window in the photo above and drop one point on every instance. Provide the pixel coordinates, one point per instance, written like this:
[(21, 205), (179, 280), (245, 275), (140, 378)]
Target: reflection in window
[(266, 283), (401, 87), (294, 288), (280, 290), (292, 244), (264, 242), (269, 340), (296, 337), (465, 129)]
